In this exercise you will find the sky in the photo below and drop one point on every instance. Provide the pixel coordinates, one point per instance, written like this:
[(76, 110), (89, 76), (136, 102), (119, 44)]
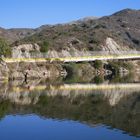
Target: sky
[(34, 13)]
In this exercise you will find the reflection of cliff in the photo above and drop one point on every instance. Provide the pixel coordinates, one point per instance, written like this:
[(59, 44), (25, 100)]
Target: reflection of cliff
[(30, 93)]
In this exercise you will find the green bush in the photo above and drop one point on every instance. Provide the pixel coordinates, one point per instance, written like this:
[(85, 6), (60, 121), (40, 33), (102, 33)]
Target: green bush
[(98, 79), (5, 49), (44, 46)]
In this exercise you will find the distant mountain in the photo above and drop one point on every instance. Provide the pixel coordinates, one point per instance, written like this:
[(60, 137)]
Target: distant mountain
[(86, 19), (12, 35), (90, 33)]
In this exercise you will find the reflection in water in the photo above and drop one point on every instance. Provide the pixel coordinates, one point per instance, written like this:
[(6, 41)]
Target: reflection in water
[(119, 78), (114, 105)]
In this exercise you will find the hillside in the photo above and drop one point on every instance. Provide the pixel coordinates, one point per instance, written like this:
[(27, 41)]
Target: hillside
[(120, 31)]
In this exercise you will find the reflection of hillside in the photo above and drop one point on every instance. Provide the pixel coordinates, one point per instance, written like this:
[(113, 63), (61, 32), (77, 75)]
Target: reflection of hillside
[(116, 105), (92, 109), (23, 94)]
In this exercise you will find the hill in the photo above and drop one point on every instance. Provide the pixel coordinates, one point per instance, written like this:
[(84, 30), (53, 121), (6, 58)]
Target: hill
[(120, 31)]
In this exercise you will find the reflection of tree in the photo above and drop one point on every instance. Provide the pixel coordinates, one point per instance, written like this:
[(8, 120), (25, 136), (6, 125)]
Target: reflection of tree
[(4, 108), (90, 108), (79, 108)]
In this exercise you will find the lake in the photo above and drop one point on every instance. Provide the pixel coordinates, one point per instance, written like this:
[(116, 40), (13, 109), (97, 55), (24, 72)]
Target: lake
[(69, 111)]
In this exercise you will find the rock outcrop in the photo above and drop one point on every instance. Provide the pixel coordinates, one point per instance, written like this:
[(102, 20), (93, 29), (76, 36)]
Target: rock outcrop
[(25, 50)]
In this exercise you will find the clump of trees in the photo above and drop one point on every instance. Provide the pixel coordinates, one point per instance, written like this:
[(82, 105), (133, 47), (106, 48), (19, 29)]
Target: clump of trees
[(5, 49)]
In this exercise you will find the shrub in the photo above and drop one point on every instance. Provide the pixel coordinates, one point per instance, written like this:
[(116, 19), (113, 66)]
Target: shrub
[(5, 49), (44, 46)]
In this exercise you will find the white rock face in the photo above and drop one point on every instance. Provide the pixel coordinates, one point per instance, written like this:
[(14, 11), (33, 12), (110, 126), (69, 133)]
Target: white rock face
[(24, 50), (113, 46)]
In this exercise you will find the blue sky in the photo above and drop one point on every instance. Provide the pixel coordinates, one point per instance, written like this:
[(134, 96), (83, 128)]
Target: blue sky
[(33, 13)]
